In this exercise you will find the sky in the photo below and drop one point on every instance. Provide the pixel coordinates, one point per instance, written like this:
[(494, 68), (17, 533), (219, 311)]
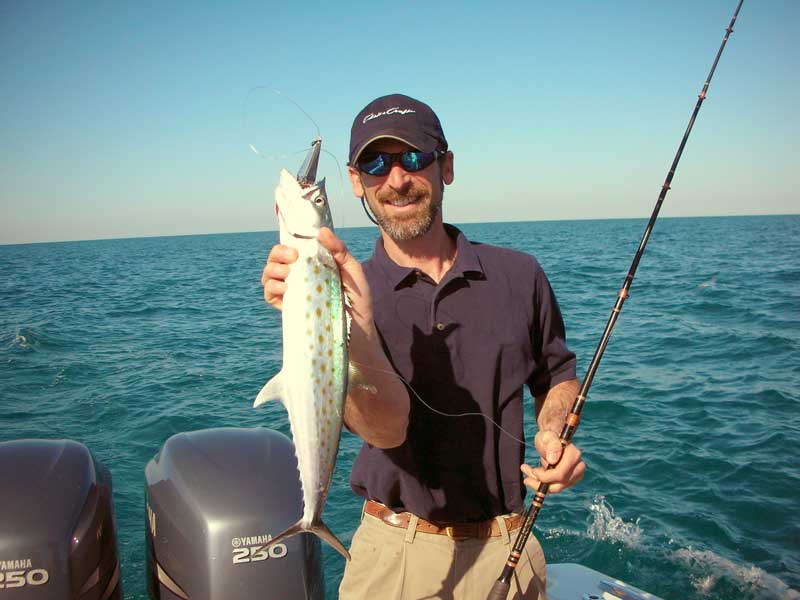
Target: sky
[(123, 119)]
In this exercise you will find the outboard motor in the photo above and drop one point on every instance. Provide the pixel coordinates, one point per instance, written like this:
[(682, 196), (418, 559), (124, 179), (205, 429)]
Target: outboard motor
[(215, 497), (57, 538)]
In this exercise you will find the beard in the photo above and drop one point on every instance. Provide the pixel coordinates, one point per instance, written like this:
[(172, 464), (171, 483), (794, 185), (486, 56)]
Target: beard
[(412, 225)]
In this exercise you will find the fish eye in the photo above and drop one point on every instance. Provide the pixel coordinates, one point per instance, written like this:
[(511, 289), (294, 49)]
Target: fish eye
[(319, 200)]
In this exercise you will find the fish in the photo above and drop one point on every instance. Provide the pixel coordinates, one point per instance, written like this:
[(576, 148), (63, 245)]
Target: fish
[(313, 381)]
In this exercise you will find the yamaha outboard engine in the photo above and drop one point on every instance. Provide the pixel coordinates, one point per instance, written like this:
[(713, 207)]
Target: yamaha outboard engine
[(214, 498), (57, 539)]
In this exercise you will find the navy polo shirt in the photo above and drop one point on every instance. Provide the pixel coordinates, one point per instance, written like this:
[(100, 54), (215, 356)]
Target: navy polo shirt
[(466, 345)]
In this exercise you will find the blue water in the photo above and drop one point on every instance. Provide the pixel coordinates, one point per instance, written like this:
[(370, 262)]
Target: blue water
[(691, 431)]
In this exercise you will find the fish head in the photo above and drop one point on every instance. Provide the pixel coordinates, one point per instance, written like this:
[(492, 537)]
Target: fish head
[(302, 209)]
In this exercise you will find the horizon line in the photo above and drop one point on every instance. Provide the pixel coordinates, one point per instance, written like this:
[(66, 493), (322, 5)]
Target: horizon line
[(155, 236)]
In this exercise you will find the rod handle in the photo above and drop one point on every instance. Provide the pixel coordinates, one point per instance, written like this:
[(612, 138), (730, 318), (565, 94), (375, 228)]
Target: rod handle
[(499, 591)]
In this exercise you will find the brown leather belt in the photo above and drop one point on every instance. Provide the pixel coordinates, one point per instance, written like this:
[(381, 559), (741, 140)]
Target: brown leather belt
[(476, 529)]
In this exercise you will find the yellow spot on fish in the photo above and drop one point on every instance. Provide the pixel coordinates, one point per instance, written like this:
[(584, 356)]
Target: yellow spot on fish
[(330, 353), (316, 269), (319, 314), (328, 326), (321, 339), (319, 289), (308, 298), (323, 368)]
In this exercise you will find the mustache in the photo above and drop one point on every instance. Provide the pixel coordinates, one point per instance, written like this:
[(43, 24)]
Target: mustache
[(412, 193)]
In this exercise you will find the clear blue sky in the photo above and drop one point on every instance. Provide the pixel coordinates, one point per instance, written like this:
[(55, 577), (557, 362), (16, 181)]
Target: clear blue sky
[(126, 119)]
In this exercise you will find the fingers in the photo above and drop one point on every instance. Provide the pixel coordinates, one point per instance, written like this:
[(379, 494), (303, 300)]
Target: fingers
[(569, 471), (338, 249), (548, 445), (274, 275), (353, 278)]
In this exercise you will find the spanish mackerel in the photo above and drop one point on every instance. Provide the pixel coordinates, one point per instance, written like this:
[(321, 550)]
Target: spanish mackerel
[(312, 383)]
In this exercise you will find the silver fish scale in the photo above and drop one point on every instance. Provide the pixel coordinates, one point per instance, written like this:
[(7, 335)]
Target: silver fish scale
[(315, 352)]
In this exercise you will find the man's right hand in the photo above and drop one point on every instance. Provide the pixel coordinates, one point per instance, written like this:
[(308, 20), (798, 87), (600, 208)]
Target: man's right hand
[(273, 278)]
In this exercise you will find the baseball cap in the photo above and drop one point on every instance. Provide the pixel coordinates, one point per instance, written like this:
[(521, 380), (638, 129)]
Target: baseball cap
[(399, 117)]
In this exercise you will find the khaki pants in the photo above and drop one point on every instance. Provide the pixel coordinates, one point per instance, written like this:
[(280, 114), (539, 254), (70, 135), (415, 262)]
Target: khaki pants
[(390, 563)]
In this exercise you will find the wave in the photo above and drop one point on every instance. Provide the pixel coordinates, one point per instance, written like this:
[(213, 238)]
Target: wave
[(29, 339), (603, 525), (712, 570), (624, 548)]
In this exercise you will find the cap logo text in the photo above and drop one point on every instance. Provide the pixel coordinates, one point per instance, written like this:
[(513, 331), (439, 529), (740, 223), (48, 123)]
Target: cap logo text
[(395, 110)]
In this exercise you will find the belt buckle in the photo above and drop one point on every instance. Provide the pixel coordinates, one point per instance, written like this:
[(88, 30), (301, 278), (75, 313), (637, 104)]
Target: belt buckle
[(450, 531)]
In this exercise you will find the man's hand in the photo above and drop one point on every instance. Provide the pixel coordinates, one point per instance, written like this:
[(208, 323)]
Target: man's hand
[(281, 257), (274, 275), (569, 467), (552, 408)]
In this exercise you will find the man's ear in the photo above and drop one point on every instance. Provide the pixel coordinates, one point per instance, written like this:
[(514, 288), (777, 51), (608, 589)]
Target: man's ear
[(355, 181), (447, 168)]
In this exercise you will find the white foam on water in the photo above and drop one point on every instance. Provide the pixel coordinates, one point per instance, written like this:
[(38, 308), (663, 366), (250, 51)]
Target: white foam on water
[(748, 577), (709, 283), (21, 341), (604, 525)]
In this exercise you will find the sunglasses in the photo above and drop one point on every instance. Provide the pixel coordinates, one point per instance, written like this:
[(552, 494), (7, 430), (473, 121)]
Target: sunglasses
[(379, 164)]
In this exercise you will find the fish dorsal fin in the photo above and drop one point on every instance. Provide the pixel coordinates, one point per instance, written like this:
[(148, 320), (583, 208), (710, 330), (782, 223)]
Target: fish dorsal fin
[(273, 390)]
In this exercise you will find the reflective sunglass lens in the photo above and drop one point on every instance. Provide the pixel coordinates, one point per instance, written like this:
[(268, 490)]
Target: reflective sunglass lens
[(376, 166), (416, 161), (380, 164)]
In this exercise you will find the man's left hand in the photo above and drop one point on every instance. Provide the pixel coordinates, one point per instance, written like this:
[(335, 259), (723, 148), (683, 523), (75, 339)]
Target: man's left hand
[(569, 467)]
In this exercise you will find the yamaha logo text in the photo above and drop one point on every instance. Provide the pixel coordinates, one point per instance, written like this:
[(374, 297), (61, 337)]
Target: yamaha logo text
[(251, 548), (19, 572)]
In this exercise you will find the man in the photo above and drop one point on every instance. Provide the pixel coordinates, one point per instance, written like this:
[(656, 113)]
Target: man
[(466, 326)]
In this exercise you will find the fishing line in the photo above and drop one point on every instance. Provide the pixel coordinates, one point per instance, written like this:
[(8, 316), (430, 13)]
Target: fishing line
[(439, 412), (271, 122), (275, 107)]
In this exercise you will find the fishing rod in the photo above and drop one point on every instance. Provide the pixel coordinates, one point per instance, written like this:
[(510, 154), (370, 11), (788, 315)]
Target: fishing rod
[(500, 588)]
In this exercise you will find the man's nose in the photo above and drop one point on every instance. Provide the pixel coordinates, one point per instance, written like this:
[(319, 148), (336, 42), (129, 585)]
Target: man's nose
[(398, 178)]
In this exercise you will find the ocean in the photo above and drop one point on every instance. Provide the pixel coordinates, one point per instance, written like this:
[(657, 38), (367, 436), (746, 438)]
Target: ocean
[(690, 433)]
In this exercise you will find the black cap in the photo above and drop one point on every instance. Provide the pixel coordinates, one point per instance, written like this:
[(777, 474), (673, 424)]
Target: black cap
[(399, 117)]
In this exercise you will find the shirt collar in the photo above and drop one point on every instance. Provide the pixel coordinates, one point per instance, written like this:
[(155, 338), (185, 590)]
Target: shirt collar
[(467, 262)]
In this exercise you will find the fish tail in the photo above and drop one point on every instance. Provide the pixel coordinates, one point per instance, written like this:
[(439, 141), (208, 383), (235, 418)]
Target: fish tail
[(319, 529)]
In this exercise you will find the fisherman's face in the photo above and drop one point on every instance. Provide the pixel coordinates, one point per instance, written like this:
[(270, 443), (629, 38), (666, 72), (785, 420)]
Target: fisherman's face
[(406, 205)]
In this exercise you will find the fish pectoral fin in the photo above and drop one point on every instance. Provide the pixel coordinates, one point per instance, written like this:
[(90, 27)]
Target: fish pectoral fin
[(321, 531), (356, 379), (273, 390), (326, 258)]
